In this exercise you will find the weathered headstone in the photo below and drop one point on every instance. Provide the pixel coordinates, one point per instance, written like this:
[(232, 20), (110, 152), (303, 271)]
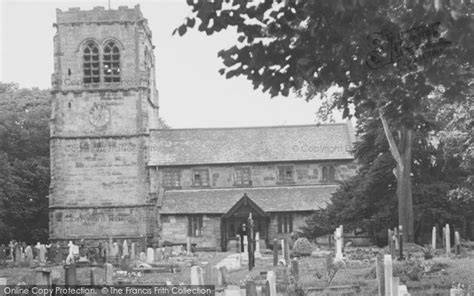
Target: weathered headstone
[(246, 242), (43, 277), (282, 245), (222, 275), (196, 276), (143, 257), (258, 254), (457, 243), (395, 283), (188, 245), (271, 278), (70, 277), (250, 288), (388, 274), (338, 239), (133, 251), (109, 271), (448, 240), (150, 255), (391, 243), (275, 252), (433, 238), (287, 251), (42, 254), (400, 242), (17, 253), (115, 250), (28, 254), (125, 249), (294, 269), (207, 270), (158, 254), (379, 271), (395, 238), (94, 277), (444, 238)]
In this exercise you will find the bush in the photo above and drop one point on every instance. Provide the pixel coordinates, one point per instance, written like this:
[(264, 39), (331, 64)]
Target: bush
[(302, 247)]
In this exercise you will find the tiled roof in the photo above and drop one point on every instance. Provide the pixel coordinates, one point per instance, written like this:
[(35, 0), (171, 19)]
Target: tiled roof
[(269, 199), (253, 144)]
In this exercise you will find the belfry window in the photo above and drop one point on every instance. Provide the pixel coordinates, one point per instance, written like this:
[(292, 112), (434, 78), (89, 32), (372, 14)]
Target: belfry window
[(111, 62), (91, 63)]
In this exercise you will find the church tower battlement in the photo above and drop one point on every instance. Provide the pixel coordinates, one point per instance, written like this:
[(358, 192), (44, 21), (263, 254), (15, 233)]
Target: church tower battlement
[(104, 103)]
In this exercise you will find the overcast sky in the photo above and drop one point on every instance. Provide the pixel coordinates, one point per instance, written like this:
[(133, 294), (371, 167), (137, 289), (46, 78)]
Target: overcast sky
[(192, 93)]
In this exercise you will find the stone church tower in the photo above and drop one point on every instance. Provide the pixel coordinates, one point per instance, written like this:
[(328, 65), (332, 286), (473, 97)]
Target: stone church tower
[(104, 103)]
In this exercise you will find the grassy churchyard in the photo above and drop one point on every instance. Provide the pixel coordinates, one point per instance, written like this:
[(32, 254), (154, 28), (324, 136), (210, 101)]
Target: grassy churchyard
[(317, 273)]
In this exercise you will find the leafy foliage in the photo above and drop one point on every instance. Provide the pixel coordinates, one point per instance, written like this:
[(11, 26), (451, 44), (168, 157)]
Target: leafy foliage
[(24, 163)]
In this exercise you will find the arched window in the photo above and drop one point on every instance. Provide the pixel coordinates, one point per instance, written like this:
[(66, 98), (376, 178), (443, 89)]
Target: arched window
[(111, 62), (91, 63)]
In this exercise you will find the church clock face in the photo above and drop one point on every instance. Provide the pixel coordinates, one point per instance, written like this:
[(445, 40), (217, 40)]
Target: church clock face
[(99, 115)]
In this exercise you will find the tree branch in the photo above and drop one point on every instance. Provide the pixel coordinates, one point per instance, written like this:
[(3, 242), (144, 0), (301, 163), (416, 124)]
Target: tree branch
[(391, 141)]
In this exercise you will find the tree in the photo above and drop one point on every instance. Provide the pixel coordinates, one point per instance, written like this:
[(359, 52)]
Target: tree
[(310, 46), (24, 163)]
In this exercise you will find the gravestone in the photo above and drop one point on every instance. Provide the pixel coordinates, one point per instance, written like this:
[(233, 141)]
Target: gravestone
[(222, 276), (395, 283), (58, 257), (115, 250), (287, 251), (258, 254), (448, 240), (133, 251), (42, 254), (142, 257), (158, 255), (125, 249), (43, 277), (94, 277), (70, 277), (388, 274), (457, 243), (400, 243), (28, 255), (246, 242), (17, 253), (188, 245), (150, 255), (271, 278), (109, 272), (207, 270), (250, 288), (275, 252), (433, 238), (282, 246), (379, 271), (197, 276), (338, 239)]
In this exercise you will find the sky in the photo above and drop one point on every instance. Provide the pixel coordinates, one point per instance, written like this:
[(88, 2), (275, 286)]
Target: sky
[(192, 93)]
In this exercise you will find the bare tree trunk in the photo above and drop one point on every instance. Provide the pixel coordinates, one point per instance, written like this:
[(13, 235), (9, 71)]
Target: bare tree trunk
[(402, 153)]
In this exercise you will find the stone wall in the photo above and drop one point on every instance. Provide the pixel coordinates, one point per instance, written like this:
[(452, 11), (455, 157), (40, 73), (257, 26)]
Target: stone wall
[(175, 229), (224, 176)]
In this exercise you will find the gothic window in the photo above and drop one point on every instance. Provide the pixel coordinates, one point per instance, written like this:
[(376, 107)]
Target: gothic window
[(195, 225), (111, 62), (285, 223), (91, 63)]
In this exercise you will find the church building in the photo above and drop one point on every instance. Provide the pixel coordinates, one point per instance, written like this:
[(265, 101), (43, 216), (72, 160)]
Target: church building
[(116, 174)]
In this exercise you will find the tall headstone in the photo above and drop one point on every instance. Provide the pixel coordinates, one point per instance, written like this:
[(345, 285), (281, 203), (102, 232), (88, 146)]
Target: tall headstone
[(125, 249), (275, 252), (395, 238), (282, 246), (295, 269), (338, 239), (271, 278), (207, 270), (42, 254), (246, 242), (391, 243), (188, 245), (258, 254), (150, 255), (287, 251), (379, 269), (342, 238), (448, 240), (143, 257), (133, 251), (457, 243), (395, 283), (158, 254), (28, 254), (433, 238), (197, 276), (444, 238), (388, 274), (109, 271), (400, 243)]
